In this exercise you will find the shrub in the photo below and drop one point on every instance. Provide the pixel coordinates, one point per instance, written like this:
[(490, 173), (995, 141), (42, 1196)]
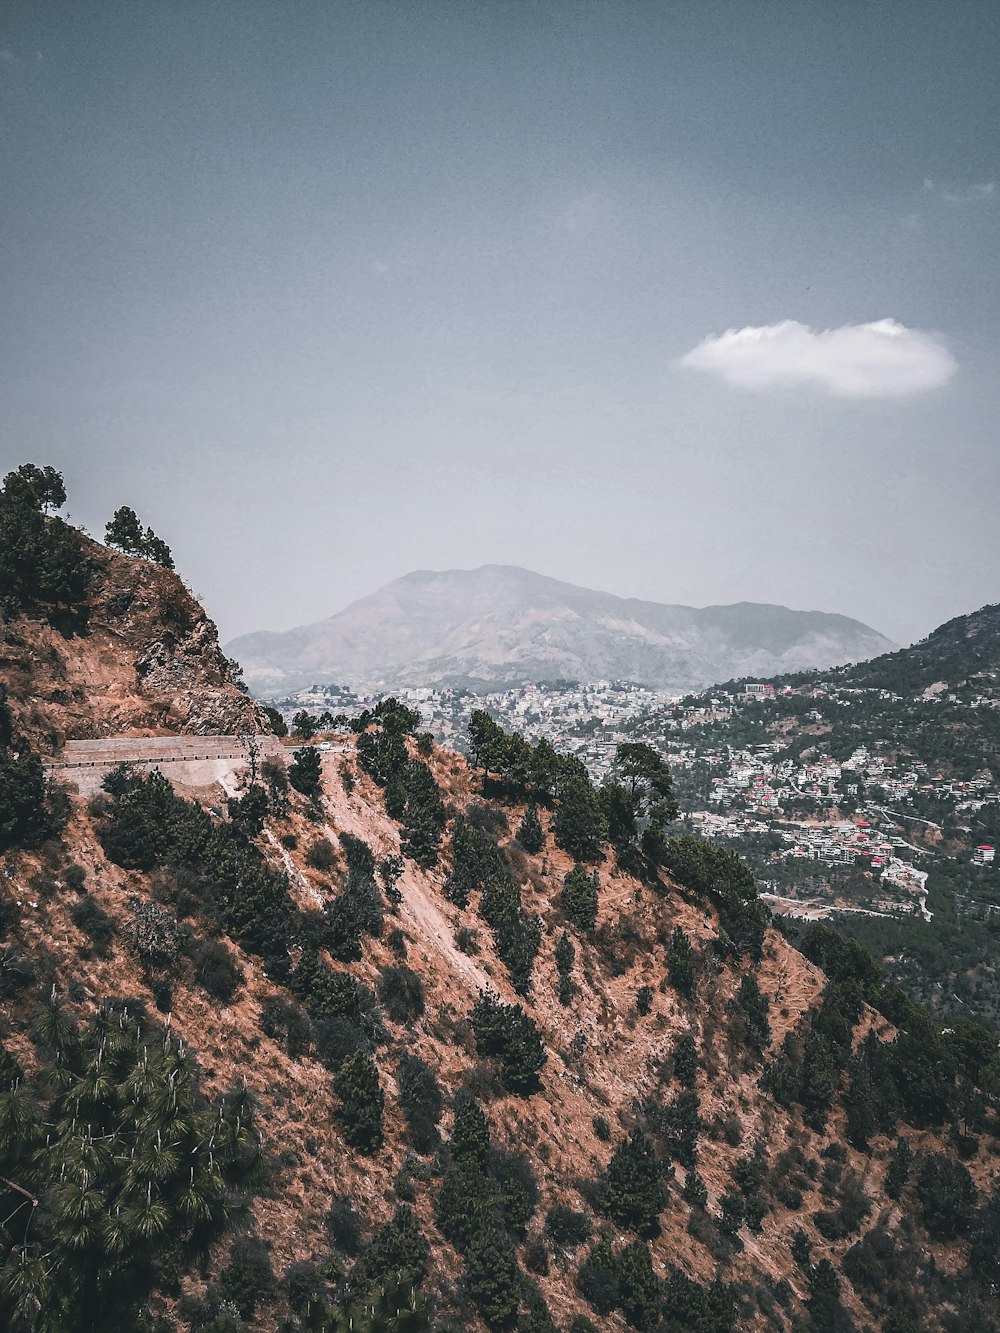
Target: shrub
[(632, 1190), (73, 877), (686, 1061), (695, 1191), (321, 855), (579, 898), (217, 970), (898, 1169), (530, 833), (361, 1102), (344, 1225), (154, 934), (681, 963), (283, 1021), (305, 772), (421, 1100), (602, 1129), (467, 940), (567, 1228), (947, 1196), (639, 1289), (506, 1033), (677, 1126), (579, 826), (597, 1279), (401, 992), (565, 957), (397, 1248), (94, 922), (643, 1000), (248, 1277)]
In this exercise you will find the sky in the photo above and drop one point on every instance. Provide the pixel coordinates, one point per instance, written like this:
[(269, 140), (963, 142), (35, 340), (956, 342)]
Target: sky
[(685, 300)]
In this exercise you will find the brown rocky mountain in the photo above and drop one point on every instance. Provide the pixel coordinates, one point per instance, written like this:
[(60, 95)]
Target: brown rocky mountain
[(679, 1122), (500, 625), (137, 655)]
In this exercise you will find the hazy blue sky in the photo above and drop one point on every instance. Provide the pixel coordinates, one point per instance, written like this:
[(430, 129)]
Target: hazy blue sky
[(333, 291)]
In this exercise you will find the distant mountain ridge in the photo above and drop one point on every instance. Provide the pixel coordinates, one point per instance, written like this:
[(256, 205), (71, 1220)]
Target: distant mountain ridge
[(502, 625)]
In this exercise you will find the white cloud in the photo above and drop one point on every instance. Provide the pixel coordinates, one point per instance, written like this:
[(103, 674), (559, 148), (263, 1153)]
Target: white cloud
[(959, 195), (879, 360)]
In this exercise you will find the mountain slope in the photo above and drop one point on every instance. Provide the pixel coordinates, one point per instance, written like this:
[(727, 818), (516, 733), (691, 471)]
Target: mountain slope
[(503, 625), (138, 654), (340, 1052)]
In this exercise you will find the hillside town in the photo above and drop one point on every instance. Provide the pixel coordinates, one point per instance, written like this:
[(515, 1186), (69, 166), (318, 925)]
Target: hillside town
[(857, 834)]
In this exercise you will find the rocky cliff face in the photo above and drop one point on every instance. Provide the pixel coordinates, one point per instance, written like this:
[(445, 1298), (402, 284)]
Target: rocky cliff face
[(138, 655)]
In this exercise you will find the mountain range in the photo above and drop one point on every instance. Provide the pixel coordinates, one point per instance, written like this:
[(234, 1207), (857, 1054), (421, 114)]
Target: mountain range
[(501, 625)]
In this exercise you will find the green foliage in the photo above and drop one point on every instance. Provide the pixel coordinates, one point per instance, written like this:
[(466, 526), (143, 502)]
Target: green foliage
[(695, 1191), (413, 798), (304, 725), (27, 814), (422, 1102), (580, 898), (305, 772), (720, 875), (824, 1297), (565, 957), (361, 1102), (278, 725), (754, 1009), (597, 1278), (402, 993), (517, 937), (89, 917), (698, 1309), (247, 1278), (116, 1159), (639, 1289), (125, 532), (898, 1170), (217, 971), (567, 1228), (148, 827), (504, 1032), (947, 1196), (632, 1190), (677, 1127), (530, 833), (41, 558), (579, 826), (686, 1061), (397, 1249), (681, 963)]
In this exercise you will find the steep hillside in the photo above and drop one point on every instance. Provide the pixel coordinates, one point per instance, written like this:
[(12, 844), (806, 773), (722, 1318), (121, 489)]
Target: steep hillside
[(135, 653), (503, 625), (385, 1040), (963, 651)]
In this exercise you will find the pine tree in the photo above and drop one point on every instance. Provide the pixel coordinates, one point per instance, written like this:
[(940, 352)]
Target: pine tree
[(579, 826), (580, 897), (681, 963), (640, 1290), (305, 772), (530, 833), (633, 1190), (361, 1102), (506, 1033), (565, 957)]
